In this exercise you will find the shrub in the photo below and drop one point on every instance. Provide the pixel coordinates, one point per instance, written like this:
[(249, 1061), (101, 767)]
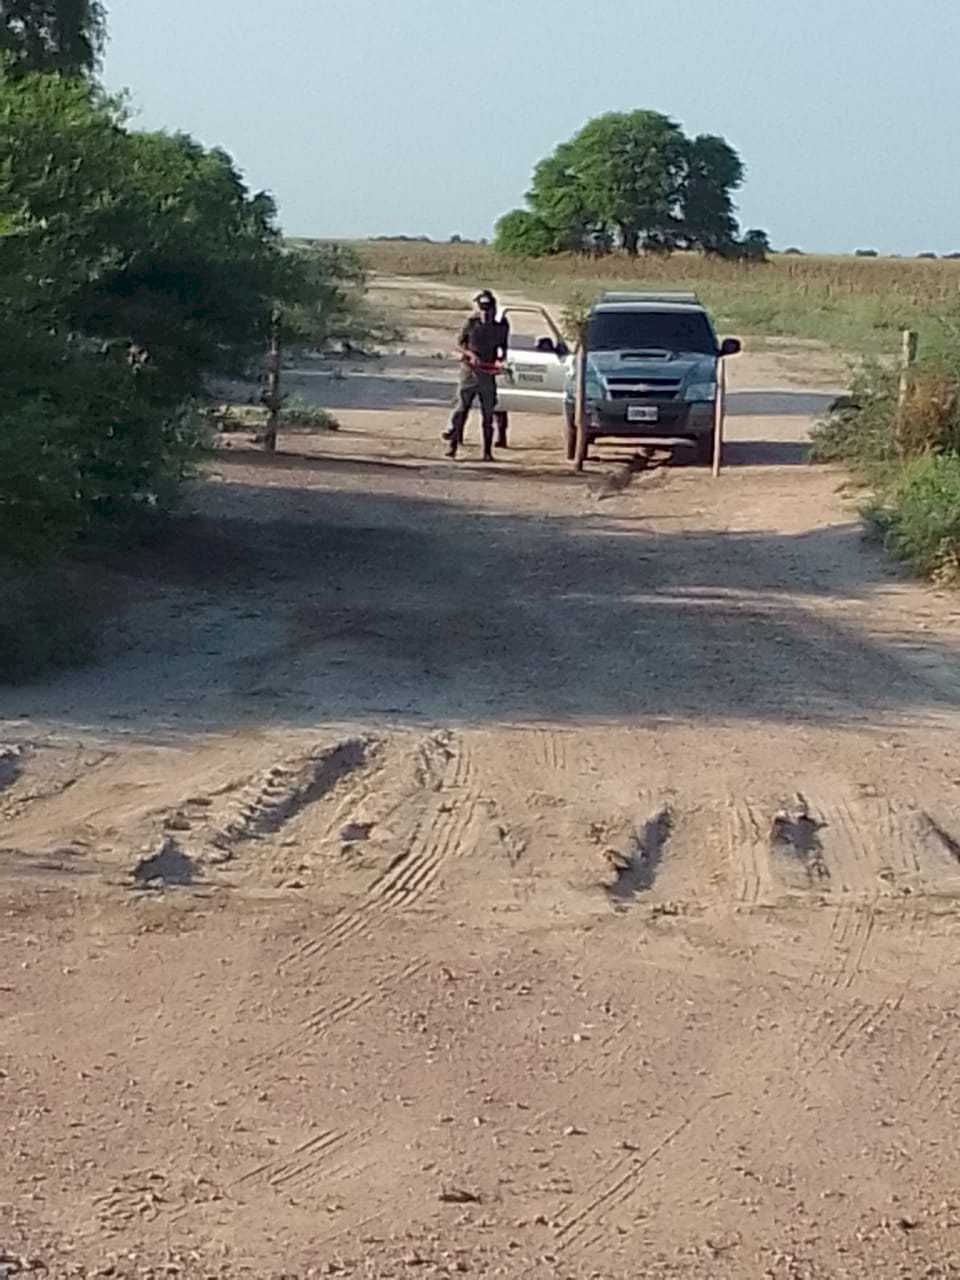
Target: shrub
[(83, 443), (755, 246), (521, 234), (859, 429), (47, 620), (920, 516), (930, 420), (299, 414), (868, 429)]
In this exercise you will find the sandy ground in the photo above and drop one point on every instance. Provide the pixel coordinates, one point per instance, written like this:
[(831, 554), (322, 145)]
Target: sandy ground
[(449, 871)]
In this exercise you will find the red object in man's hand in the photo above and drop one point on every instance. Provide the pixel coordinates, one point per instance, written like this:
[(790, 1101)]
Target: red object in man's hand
[(473, 360)]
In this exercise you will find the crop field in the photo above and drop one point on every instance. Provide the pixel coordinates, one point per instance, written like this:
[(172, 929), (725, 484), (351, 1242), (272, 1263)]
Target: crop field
[(858, 305)]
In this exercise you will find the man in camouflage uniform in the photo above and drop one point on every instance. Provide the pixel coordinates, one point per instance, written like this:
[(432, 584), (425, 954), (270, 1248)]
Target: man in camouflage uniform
[(483, 343)]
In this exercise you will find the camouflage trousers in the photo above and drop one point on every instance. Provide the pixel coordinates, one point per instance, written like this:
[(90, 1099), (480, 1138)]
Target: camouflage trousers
[(474, 384)]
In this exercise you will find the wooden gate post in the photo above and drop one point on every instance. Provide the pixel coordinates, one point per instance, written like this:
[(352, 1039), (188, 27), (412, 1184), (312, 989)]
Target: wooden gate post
[(580, 402), (908, 355), (271, 391), (719, 409)]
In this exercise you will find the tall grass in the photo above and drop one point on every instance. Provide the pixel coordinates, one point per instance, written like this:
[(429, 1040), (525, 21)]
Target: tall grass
[(908, 454), (920, 516), (853, 304)]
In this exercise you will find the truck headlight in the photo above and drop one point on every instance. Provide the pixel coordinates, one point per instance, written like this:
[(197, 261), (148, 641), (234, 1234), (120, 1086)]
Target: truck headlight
[(701, 391)]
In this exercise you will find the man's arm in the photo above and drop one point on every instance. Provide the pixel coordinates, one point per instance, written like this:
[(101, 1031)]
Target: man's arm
[(505, 339), (463, 342)]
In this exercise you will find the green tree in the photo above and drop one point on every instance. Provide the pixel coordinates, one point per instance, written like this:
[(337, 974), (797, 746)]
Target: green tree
[(560, 202), (126, 237), (132, 266), (64, 36), (320, 296), (713, 172), (193, 265), (632, 178), (522, 234), (628, 169), (755, 245)]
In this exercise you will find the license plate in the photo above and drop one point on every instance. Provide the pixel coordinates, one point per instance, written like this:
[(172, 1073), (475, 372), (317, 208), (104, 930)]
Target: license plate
[(643, 413)]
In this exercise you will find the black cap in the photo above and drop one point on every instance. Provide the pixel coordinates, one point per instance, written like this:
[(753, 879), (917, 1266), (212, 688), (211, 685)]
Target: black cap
[(485, 298)]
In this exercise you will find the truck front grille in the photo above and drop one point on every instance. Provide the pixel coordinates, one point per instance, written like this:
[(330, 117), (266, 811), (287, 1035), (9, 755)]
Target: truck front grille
[(643, 388)]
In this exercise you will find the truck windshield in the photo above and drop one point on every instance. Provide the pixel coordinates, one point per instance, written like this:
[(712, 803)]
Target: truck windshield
[(650, 330)]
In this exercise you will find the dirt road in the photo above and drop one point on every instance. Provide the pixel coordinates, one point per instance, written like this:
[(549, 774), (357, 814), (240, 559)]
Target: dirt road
[(451, 871)]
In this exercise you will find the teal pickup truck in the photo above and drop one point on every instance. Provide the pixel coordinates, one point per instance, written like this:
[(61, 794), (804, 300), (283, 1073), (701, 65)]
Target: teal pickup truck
[(653, 372)]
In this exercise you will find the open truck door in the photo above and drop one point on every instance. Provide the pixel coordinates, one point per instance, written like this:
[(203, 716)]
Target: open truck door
[(533, 379)]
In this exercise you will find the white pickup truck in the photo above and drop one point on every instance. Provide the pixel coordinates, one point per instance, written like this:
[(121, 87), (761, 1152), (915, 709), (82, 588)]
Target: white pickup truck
[(652, 371)]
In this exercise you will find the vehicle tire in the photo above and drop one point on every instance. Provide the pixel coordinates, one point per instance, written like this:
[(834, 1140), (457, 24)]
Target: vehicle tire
[(704, 450), (583, 447), (569, 434), (501, 421)]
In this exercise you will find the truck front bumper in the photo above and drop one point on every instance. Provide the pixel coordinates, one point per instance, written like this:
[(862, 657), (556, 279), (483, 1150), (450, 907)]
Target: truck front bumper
[(691, 419)]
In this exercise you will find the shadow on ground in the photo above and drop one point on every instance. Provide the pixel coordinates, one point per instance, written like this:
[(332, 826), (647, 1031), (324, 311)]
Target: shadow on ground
[(314, 605), (431, 383)]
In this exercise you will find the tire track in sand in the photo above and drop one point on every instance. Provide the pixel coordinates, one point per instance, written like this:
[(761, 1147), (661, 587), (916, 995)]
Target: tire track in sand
[(621, 1179), (439, 831)]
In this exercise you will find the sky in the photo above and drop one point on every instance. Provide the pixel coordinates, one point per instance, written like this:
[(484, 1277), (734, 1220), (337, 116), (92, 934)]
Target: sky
[(426, 117)]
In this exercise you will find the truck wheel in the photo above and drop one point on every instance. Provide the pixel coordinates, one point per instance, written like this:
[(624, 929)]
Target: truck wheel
[(583, 446), (569, 435), (704, 451), (501, 420)]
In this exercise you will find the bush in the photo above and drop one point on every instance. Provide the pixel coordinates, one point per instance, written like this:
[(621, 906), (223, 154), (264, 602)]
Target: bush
[(47, 620), (909, 456), (83, 442), (859, 429), (521, 234), (868, 430), (299, 414), (930, 421), (755, 246), (920, 516)]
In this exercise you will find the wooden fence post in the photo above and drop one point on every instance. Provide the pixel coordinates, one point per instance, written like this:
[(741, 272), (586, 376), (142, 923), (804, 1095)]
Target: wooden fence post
[(580, 402), (271, 390), (908, 356), (719, 408)]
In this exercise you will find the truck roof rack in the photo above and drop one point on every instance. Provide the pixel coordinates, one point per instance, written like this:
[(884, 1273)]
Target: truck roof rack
[(659, 295)]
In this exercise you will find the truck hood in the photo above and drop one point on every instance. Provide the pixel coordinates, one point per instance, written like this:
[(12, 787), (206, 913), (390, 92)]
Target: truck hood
[(684, 366)]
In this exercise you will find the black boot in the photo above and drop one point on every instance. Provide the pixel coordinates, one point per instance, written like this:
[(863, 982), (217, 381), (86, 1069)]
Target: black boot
[(488, 445)]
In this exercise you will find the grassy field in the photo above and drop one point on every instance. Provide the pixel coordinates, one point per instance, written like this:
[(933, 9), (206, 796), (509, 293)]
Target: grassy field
[(858, 305)]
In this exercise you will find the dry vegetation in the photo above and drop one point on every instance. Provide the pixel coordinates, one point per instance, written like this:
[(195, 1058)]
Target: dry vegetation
[(854, 304)]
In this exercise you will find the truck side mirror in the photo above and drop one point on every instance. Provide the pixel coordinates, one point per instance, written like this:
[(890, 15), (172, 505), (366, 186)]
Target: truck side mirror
[(730, 347), (562, 350)]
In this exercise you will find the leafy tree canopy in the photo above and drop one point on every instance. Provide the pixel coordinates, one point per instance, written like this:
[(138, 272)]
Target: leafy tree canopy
[(633, 179), (64, 36)]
